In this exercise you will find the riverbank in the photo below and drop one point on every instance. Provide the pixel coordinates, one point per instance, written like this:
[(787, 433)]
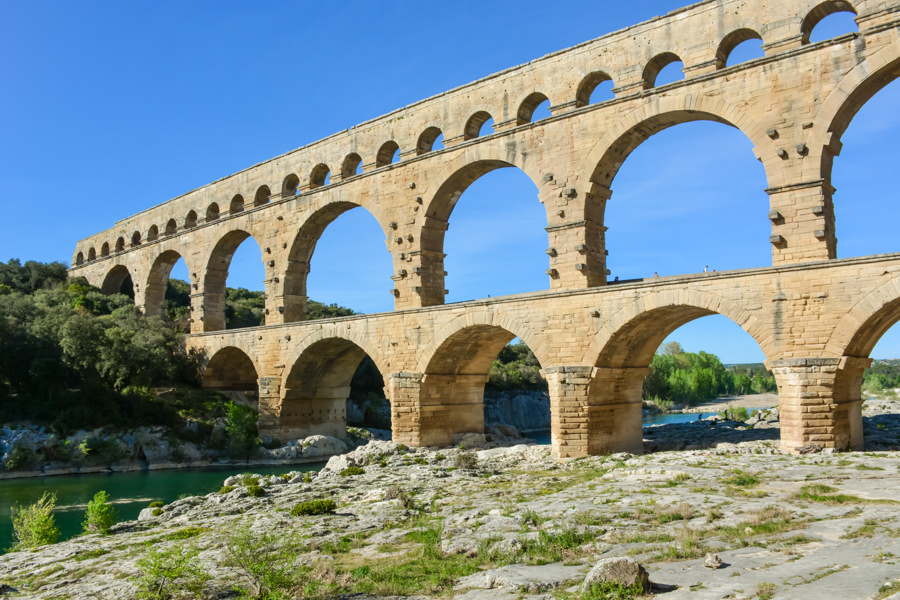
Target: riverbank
[(740, 401), (511, 523)]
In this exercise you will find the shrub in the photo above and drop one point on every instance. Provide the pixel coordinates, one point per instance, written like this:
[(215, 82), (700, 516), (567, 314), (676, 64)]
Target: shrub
[(35, 525), (225, 489), (266, 564), (100, 515), (157, 512), (465, 460), (350, 471), (249, 481), (155, 504), (255, 491), (173, 572), (20, 457), (314, 507)]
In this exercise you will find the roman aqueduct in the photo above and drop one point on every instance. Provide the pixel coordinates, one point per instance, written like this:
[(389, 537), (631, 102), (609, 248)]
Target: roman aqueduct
[(816, 317)]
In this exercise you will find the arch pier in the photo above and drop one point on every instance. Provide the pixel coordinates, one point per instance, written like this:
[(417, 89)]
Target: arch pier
[(815, 316)]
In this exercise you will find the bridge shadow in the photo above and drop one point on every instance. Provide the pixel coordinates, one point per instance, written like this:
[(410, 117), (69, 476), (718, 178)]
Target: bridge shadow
[(699, 435)]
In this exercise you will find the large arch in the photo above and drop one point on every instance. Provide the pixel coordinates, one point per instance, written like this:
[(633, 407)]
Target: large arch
[(621, 355), (230, 369), (317, 386), (216, 276), (451, 397), (118, 280), (157, 282), (294, 300), (438, 209)]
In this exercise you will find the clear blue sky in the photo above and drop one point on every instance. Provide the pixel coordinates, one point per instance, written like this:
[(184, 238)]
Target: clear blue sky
[(107, 108)]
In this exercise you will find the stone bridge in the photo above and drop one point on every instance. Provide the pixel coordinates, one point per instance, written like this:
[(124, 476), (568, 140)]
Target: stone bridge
[(815, 317)]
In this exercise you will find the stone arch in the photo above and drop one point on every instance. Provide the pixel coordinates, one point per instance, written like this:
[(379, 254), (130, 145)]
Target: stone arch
[(732, 41), (231, 369), (819, 12), (117, 281), (171, 227), (136, 238), (587, 86), (190, 220), (262, 195), (212, 212), (426, 140), (301, 252), (631, 336), (317, 384), (616, 144), (454, 376), (655, 65), (92, 253), (215, 277), (429, 355), (236, 205), (840, 107), (866, 322), (528, 106), (386, 153), (79, 258), (153, 233), (157, 282), (472, 128), (104, 249), (289, 185), (120, 244), (350, 164), (438, 208), (319, 175)]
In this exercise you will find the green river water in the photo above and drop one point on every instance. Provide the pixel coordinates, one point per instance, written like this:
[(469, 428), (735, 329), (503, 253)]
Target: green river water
[(130, 492)]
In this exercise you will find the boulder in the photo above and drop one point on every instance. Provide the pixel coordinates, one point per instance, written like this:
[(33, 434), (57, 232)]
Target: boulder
[(322, 445), (621, 570)]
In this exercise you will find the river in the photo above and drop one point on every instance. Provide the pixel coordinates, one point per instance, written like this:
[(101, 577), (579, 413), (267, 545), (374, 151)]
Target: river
[(130, 492)]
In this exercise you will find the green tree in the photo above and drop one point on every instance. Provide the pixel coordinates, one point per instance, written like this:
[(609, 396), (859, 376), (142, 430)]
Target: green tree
[(35, 525), (101, 515), (170, 573), (240, 425)]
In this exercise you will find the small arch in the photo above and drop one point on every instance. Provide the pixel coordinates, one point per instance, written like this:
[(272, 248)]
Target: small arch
[(230, 369), (171, 227), (136, 238), (387, 154), (104, 249), (190, 220), (427, 140), (584, 94), (819, 13), (212, 212), (289, 186), (473, 126), (351, 166), (528, 106), (262, 195), (153, 233), (92, 254), (79, 258), (732, 41), (655, 67), (120, 244), (236, 205), (319, 176)]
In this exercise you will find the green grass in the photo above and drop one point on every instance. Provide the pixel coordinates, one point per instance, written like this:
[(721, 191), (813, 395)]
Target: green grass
[(825, 494), (184, 534)]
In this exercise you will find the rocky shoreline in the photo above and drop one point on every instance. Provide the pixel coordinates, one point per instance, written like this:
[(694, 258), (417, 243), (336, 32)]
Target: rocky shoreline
[(506, 523)]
